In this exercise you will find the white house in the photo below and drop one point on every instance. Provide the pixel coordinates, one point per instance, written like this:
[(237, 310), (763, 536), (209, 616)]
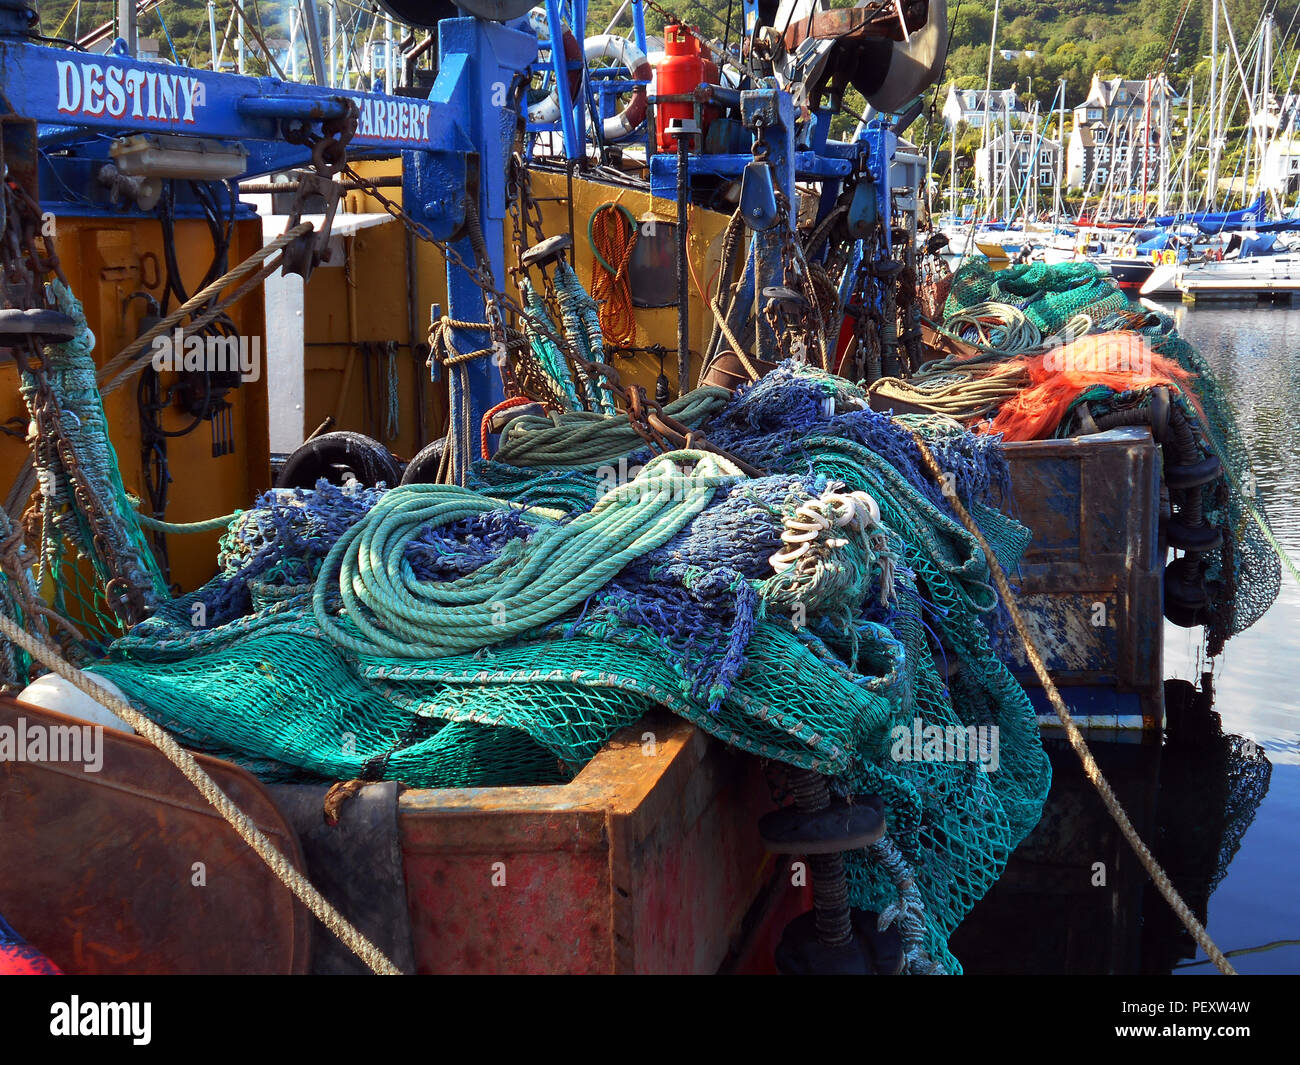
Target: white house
[(1117, 101), (974, 107), (1098, 154), (1025, 152), (1280, 172), (1118, 131)]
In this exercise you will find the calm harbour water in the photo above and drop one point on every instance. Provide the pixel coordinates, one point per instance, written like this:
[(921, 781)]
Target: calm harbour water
[(1226, 828), (1255, 350)]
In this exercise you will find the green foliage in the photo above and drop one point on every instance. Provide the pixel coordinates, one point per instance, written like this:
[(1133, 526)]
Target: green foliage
[(1074, 40)]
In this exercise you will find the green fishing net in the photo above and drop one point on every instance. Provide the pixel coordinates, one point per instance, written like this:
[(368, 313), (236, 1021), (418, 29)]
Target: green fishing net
[(899, 642)]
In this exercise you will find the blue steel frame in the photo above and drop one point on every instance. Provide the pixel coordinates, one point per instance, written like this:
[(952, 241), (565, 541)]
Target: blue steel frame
[(826, 161), (597, 90), (455, 143)]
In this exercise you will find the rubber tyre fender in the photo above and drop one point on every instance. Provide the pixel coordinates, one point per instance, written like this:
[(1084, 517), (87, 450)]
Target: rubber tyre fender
[(1207, 471), (333, 455), (1186, 595), (1196, 538), (423, 468)]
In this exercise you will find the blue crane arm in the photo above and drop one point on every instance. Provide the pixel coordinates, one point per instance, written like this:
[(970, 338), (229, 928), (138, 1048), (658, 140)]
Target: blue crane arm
[(111, 93)]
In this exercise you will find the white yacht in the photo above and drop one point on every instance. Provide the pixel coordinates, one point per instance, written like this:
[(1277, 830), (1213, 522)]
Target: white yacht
[(1257, 266)]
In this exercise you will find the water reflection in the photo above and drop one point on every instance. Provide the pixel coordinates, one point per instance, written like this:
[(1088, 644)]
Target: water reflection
[(1218, 802), (1075, 899)]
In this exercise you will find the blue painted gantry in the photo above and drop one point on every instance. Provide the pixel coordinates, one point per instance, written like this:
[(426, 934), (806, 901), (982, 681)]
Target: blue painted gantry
[(454, 144)]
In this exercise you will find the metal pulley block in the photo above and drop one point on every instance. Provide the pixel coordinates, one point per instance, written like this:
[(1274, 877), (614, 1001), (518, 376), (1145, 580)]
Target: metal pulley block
[(884, 269), (548, 251), (52, 326), (306, 253), (758, 196), (864, 211)]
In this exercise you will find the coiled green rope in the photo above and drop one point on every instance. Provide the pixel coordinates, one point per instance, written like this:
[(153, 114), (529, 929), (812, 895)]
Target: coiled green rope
[(388, 610)]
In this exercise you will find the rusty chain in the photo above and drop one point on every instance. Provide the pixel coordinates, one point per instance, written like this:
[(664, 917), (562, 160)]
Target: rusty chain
[(24, 264)]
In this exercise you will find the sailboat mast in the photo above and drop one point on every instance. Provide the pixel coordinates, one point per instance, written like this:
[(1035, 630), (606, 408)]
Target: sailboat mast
[(1212, 175), (988, 106), (1006, 170), (1058, 201), (1189, 130), (952, 173), (212, 33)]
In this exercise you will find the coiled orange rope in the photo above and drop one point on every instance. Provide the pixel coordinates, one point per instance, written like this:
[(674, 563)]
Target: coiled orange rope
[(486, 425), (613, 232)]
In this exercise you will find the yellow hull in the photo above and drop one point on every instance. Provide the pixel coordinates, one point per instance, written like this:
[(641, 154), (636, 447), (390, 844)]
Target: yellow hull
[(357, 298), (995, 253), (372, 306), (106, 261)]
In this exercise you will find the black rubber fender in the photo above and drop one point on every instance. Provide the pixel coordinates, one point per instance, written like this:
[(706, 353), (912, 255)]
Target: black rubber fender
[(1159, 413), (1187, 600), (340, 457), (1200, 473), (1198, 538), (423, 468)]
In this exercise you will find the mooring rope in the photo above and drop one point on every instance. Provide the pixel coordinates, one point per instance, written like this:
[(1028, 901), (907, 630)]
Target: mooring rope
[(1090, 768), (612, 245), (290, 877), (960, 394), (207, 525)]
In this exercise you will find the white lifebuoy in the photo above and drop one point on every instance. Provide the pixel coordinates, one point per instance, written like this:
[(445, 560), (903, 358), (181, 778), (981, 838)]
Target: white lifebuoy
[(625, 54), (547, 110)]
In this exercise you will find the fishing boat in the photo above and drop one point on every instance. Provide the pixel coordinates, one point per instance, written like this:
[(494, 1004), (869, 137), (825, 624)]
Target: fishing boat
[(632, 554)]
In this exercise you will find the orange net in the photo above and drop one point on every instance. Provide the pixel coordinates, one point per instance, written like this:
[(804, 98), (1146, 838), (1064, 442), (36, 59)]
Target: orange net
[(1121, 362)]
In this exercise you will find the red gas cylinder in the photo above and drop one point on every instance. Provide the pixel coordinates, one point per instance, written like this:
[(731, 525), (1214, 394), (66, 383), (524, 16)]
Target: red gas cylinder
[(678, 73)]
